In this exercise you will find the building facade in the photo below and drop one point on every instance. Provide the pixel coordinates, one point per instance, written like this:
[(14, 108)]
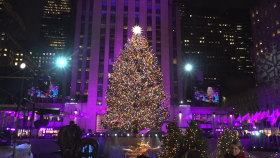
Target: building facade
[(216, 42), (266, 40), (12, 32), (56, 32), (102, 29), (56, 41)]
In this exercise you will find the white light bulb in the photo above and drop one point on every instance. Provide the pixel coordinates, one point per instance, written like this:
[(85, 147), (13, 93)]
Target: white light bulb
[(137, 30)]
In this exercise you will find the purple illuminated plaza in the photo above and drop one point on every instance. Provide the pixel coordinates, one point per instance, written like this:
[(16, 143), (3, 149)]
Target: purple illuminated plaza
[(220, 68)]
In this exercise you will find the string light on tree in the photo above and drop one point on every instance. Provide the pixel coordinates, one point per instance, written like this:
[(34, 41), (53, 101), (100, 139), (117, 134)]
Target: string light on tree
[(135, 98), (194, 139), (225, 140), (171, 142)]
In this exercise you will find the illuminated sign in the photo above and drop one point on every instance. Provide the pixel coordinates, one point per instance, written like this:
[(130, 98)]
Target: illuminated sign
[(46, 129)]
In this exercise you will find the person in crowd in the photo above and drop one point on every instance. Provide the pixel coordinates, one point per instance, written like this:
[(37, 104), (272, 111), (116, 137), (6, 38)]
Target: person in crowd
[(236, 151), (193, 154)]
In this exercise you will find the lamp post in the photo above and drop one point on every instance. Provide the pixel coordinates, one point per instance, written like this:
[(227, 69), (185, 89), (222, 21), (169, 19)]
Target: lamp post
[(22, 66), (188, 69)]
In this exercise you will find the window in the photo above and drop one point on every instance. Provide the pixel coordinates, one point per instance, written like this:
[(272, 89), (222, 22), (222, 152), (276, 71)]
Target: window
[(5, 55), (30, 53), (43, 53), (16, 63), (174, 61), (5, 49)]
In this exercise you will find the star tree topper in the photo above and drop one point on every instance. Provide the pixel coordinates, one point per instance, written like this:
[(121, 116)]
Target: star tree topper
[(137, 30)]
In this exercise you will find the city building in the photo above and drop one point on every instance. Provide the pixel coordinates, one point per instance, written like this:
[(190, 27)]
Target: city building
[(266, 38), (56, 41), (264, 97), (216, 42), (12, 32), (102, 29), (56, 33)]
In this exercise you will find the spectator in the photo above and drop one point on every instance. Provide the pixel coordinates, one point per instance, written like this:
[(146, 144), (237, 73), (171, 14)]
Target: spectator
[(236, 151), (193, 154)]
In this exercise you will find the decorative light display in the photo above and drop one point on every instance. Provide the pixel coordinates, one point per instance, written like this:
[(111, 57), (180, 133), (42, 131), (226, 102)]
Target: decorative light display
[(194, 139), (46, 129), (79, 115), (137, 30), (176, 144), (225, 140), (135, 99), (171, 143)]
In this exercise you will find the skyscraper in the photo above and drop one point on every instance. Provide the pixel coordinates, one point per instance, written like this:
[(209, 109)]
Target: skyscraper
[(266, 40), (217, 43), (56, 40), (56, 32), (102, 29), (12, 32)]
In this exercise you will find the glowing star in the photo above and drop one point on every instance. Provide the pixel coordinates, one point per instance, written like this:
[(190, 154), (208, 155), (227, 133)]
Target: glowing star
[(137, 30)]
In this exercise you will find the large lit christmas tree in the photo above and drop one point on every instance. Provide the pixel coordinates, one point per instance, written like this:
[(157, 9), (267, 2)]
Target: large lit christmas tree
[(135, 98), (194, 139), (225, 140)]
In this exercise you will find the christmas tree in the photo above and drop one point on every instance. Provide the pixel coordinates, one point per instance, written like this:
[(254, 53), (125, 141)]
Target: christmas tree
[(135, 99), (225, 140), (172, 141), (194, 139)]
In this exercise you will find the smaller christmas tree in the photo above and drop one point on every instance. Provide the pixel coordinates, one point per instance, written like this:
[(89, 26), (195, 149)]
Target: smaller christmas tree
[(172, 141), (194, 139), (225, 140)]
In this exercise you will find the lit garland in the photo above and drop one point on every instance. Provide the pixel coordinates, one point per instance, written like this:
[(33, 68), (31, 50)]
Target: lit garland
[(176, 144), (225, 140), (136, 98), (194, 139), (171, 143)]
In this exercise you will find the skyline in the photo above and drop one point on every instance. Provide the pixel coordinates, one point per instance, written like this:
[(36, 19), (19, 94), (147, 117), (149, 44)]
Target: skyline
[(31, 11)]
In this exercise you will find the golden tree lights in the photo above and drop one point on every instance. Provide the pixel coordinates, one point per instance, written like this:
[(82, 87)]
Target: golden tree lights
[(171, 142), (225, 139), (194, 139), (135, 98)]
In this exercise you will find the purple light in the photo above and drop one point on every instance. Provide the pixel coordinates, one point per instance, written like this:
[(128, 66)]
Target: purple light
[(13, 129), (219, 130), (46, 129)]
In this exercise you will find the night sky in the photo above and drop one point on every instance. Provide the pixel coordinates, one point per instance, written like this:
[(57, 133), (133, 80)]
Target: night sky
[(31, 11)]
